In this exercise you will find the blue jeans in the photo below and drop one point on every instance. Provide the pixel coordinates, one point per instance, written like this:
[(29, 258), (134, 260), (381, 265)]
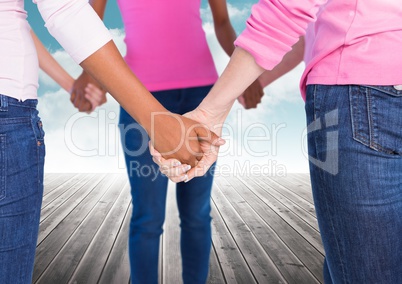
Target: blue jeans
[(355, 149), (149, 189), (22, 154)]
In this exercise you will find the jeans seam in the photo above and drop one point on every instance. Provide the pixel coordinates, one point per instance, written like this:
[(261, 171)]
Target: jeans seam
[(3, 176), (370, 117)]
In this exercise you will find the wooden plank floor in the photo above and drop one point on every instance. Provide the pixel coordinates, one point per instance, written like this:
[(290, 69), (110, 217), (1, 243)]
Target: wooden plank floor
[(264, 231)]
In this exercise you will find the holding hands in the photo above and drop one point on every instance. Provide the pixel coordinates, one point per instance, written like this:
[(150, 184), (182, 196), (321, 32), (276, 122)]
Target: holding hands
[(252, 95), (86, 93), (177, 171), (197, 145)]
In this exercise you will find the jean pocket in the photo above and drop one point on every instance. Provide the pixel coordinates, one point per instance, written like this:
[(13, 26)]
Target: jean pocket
[(376, 113), (2, 166)]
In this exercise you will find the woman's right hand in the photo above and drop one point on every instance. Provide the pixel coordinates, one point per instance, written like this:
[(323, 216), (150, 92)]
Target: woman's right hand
[(183, 138), (179, 170)]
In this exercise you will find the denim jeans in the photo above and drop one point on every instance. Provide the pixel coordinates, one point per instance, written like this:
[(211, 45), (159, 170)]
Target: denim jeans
[(355, 148), (22, 154), (149, 189)]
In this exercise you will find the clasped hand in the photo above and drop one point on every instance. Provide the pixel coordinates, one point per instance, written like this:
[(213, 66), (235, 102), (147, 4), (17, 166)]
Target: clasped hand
[(87, 94), (204, 147)]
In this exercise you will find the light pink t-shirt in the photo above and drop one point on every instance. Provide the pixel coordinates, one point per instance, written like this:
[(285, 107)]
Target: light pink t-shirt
[(347, 42), (73, 23), (166, 45)]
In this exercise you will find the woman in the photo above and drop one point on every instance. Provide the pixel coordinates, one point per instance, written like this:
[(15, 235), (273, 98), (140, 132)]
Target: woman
[(167, 49), (351, 85), (77, 27)]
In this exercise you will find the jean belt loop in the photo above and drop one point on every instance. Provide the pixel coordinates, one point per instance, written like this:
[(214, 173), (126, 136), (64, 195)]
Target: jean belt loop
[(3, 103)]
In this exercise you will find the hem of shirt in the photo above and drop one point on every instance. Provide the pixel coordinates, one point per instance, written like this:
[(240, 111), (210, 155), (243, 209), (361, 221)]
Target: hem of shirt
[(17, 94), (354, 80), (349, 80)]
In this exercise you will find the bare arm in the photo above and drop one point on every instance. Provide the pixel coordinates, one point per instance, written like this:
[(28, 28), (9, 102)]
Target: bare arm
[(78, 97), (99, 6), (172, 135), (289, 61), (226, 36), (51, 67)]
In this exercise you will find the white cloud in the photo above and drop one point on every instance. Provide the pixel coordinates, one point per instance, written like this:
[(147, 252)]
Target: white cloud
[(235, 13)]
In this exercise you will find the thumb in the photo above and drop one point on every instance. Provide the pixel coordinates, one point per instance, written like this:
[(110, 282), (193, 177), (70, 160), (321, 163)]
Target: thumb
[(206, 135)]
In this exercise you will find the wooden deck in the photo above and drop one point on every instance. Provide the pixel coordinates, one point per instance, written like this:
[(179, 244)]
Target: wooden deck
[(264, 231)]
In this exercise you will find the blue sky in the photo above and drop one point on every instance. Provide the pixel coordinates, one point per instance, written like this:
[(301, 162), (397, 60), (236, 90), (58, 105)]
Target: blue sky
[(268, 139)]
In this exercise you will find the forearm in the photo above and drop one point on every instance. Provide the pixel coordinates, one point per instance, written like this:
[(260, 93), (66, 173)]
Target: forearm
[(223, 28), (241, 71), (226, 36), (289, 61), (109, 69), (51, 67), (99, 6)]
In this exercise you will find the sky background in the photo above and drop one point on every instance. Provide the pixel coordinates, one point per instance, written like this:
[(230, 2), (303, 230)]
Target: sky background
[(269, 139)]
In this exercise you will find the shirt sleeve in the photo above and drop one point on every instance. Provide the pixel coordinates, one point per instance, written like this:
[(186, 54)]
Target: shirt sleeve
[(75, 25), (274, 27)]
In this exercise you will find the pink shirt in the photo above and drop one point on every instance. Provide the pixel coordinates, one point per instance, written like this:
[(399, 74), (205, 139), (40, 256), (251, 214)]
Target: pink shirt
[(347, 42), (166, 45), (72, 22)]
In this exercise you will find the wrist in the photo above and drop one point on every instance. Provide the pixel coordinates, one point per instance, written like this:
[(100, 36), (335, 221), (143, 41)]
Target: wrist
[(214, 109)]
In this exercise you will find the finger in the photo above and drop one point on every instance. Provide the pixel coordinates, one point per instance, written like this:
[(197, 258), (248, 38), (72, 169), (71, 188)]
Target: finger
[(179, 179), (175, 171), (77, 100), (97, 92), (206, 135), (199, 170), (93, 100), (169, 163), (241, 100), (157, 160), (72, 96), (153, 151), (91, 88), (84, 104)]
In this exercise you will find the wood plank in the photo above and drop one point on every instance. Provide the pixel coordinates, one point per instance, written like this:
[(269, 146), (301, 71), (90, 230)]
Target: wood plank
[(62, 224), (49, 177), (52, 218), (304, 210), (117, 268), (172, 264), (261, 265), (92, 263), (281, 241), (289, 194), (263, 231), (61, 194), (234, 267), (303, 177), (298, 188), (54, 181), (72, 251), (215, 275), (282, 208)]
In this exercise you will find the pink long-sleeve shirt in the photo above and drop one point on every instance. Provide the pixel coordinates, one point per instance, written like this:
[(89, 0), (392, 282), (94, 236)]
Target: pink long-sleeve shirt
[(166, 45), (72, 22), (347, 42)]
